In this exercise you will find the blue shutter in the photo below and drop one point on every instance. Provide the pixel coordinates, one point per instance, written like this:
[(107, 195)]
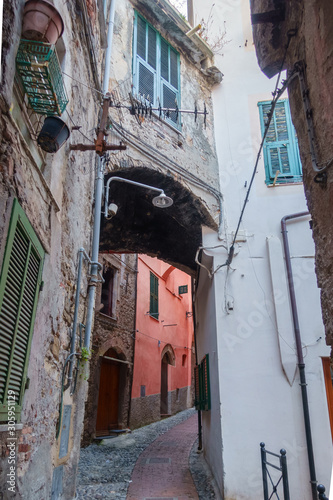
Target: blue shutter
[(156, 69), (280, 146)]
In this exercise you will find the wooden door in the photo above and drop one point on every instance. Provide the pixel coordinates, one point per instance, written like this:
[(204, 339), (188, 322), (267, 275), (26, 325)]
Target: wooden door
[(164, 386), (108, 398), (328, 373)]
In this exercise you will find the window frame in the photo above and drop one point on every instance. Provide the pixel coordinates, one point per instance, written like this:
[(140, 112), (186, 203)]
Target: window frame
[(295, 175), (109, 287), (153, 296), (19, 219), (159, 80)]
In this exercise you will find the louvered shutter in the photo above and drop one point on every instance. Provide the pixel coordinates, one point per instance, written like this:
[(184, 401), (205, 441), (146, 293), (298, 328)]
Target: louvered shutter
[(156, 69), (19, 286), (280, 146), (145, 60), (205, 384), (153, 307)]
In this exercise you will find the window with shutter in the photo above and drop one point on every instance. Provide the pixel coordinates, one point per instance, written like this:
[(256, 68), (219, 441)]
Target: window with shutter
[(281, 154), (156, 69), (19, 286), (153, 306), (202, 385)]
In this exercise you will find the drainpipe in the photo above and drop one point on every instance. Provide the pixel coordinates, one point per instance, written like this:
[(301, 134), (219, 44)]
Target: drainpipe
[(134, 342), (98, 193), (301, 365), (196, 362)]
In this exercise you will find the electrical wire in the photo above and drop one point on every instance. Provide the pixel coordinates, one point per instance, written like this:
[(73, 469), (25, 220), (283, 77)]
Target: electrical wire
[(84, 84), (276, 96), (77, 128), (163, 341)]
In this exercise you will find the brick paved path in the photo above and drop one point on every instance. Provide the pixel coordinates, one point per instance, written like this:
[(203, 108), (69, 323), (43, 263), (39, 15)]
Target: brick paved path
[(162, 471)]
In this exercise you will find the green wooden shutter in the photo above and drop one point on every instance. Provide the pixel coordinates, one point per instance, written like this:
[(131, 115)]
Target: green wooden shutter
[(202, 400), (19, 286), (280, 146), (153, 307), (205, 384)]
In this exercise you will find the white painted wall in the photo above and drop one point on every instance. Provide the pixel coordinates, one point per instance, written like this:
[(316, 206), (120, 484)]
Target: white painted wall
[(257, 401)]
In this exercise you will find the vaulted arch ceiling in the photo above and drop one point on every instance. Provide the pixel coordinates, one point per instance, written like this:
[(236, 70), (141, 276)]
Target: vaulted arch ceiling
[(172, 234)]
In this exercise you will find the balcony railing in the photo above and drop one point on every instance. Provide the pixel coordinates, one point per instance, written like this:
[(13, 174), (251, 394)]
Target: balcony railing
[(39, 69)]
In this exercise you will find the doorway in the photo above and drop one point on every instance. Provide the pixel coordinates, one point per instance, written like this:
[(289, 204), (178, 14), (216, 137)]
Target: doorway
[(164, 384), (108, 397)]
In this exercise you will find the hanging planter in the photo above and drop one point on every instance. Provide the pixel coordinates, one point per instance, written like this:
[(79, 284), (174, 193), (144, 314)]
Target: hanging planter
[(53, 135), (41, 22)]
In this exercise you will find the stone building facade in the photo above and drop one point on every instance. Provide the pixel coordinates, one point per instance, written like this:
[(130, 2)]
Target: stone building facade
[(52, 198), (46, 203), (114, 330), (162, 375), (308, 24)]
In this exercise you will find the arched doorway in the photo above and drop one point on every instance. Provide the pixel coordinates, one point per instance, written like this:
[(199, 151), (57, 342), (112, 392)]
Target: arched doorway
[(108, 397), (168, 358)]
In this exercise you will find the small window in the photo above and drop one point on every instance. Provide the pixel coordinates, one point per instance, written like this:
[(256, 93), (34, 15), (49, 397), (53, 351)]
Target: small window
[(182, 289), (156, 69), (19, 287), (107, 292), (153, 306), (202, 385), (281, 154), (184, 358)]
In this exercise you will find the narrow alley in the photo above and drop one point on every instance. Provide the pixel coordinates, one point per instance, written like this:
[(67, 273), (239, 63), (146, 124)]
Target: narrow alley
[(159, 460)]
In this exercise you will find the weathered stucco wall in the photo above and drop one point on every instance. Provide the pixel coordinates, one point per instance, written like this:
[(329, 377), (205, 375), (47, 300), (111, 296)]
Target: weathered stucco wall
[(55, 192), (312, 44)]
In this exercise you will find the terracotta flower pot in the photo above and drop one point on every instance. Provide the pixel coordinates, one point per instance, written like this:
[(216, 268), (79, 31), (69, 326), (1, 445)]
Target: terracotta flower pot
[(41, 22)]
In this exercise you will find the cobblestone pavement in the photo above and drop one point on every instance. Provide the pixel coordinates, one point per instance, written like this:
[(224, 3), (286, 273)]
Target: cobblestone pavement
[(105, 470)]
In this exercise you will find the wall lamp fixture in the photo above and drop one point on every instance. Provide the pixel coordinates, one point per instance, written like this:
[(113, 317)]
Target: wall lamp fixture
[(160, 201)]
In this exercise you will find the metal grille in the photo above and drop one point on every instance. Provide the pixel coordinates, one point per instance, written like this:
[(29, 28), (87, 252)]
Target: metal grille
[(39, 69), (274, 487), (146, 83)]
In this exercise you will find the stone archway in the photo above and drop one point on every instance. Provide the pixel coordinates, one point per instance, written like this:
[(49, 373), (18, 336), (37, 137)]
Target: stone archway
[(172, 234)]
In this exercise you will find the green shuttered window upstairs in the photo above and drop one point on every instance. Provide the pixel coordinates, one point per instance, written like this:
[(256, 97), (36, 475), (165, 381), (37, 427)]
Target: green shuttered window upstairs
[(202, 385), (19, 286), (156, 68), (153, 305), (281, 154)]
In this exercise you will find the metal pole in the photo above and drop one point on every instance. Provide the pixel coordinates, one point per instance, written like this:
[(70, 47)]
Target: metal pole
[(98, 193), (283, 461), (196, 362), (76, 312), (301, 365), (264, 471)]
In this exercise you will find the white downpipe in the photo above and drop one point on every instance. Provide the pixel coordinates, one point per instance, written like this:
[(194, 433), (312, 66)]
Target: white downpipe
[(98, 193)]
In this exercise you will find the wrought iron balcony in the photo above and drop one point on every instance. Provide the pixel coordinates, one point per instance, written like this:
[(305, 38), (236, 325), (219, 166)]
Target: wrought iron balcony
[(39, 69)]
